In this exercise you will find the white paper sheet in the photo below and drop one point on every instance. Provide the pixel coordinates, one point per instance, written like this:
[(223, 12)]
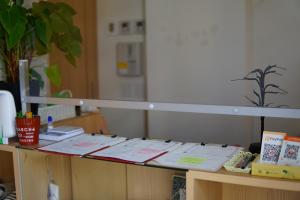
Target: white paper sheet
[(137, 150), (209, 157), (83, 144)]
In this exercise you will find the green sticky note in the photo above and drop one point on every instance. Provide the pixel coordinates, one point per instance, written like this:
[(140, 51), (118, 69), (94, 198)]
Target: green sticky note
[(191, 160)]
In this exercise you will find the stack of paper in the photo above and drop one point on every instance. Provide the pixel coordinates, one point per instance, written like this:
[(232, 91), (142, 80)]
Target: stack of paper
[(136, 150), (61, 133), (208, 157), (82, 144)]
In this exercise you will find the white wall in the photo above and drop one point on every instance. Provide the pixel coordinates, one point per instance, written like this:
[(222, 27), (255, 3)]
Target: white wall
[(129, 123), (194, 49), (276, 41)]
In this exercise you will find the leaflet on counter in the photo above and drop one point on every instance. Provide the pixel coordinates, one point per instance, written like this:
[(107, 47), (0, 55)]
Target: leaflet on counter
[(83, 144), (136, 150), (208, 157)]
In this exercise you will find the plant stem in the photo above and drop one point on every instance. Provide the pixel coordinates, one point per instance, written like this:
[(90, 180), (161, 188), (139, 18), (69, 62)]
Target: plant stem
[(262, 127)]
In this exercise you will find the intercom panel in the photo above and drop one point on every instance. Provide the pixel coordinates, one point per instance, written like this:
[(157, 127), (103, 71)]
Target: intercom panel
[(130, 58)]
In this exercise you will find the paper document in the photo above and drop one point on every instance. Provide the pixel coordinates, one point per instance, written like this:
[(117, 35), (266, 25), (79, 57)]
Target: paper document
[(61, 133), (208, 157), (82, 144), (137, 150)]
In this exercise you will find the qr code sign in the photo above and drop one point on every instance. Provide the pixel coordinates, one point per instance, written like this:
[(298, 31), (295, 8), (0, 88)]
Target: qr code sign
[(291, 152), (271, 152)]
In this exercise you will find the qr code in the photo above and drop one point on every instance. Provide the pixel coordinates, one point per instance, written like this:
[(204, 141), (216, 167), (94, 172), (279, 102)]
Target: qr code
[(271, 152), (291, 152)]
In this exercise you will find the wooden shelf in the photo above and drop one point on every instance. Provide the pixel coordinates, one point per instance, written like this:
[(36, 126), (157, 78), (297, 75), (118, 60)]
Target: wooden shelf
[(246, 179), (8, 148), (79, 178), (9, 167), (84, 178), (224, 185), (16, 163)]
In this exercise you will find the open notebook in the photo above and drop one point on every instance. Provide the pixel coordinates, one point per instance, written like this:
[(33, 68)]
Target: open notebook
[(82, 144), (136, 150), (208, 157)]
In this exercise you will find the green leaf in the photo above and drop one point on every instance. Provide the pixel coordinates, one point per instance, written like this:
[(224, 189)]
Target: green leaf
[(2, 32), (36, 76), (20, 115), (3, 4), (43, 8), (53, 75), (11, 17), (41, 49), (6, 20), (15, 37), (43, 31), (19, 2), (57, 23), (59, 30), (74, 48), (65, 12), (63, 94), (69, 45), (65, 9), (75, 31), (28, 40), (14, 22), (71, 59)]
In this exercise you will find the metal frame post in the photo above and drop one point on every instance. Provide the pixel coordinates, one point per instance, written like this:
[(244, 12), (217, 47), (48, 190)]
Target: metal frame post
[(24, 84)]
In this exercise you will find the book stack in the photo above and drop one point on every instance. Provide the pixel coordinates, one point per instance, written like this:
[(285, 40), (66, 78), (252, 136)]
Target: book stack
[(61, 133)]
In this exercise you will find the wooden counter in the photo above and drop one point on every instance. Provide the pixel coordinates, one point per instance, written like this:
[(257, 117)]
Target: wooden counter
[(89, 179), (225, 185), (10, 167)]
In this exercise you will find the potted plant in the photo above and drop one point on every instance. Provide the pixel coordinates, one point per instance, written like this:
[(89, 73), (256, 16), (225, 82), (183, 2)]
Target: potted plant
[(29, 32)]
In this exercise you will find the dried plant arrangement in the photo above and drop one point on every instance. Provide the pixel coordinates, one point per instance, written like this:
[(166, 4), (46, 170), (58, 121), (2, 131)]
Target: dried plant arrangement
[(259, 76)]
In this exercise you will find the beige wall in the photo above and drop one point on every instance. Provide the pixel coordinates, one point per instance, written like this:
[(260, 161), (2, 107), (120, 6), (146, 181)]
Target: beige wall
[(276, 41), (129, 123), (195, 48)]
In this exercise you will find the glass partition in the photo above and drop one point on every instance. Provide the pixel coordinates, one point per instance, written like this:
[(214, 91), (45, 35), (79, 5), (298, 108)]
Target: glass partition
[(186, 52), (185, 127), (184, 56)]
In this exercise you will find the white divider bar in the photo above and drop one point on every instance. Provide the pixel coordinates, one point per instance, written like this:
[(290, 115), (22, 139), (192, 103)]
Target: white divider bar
[(172, 107), (24, 83)]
